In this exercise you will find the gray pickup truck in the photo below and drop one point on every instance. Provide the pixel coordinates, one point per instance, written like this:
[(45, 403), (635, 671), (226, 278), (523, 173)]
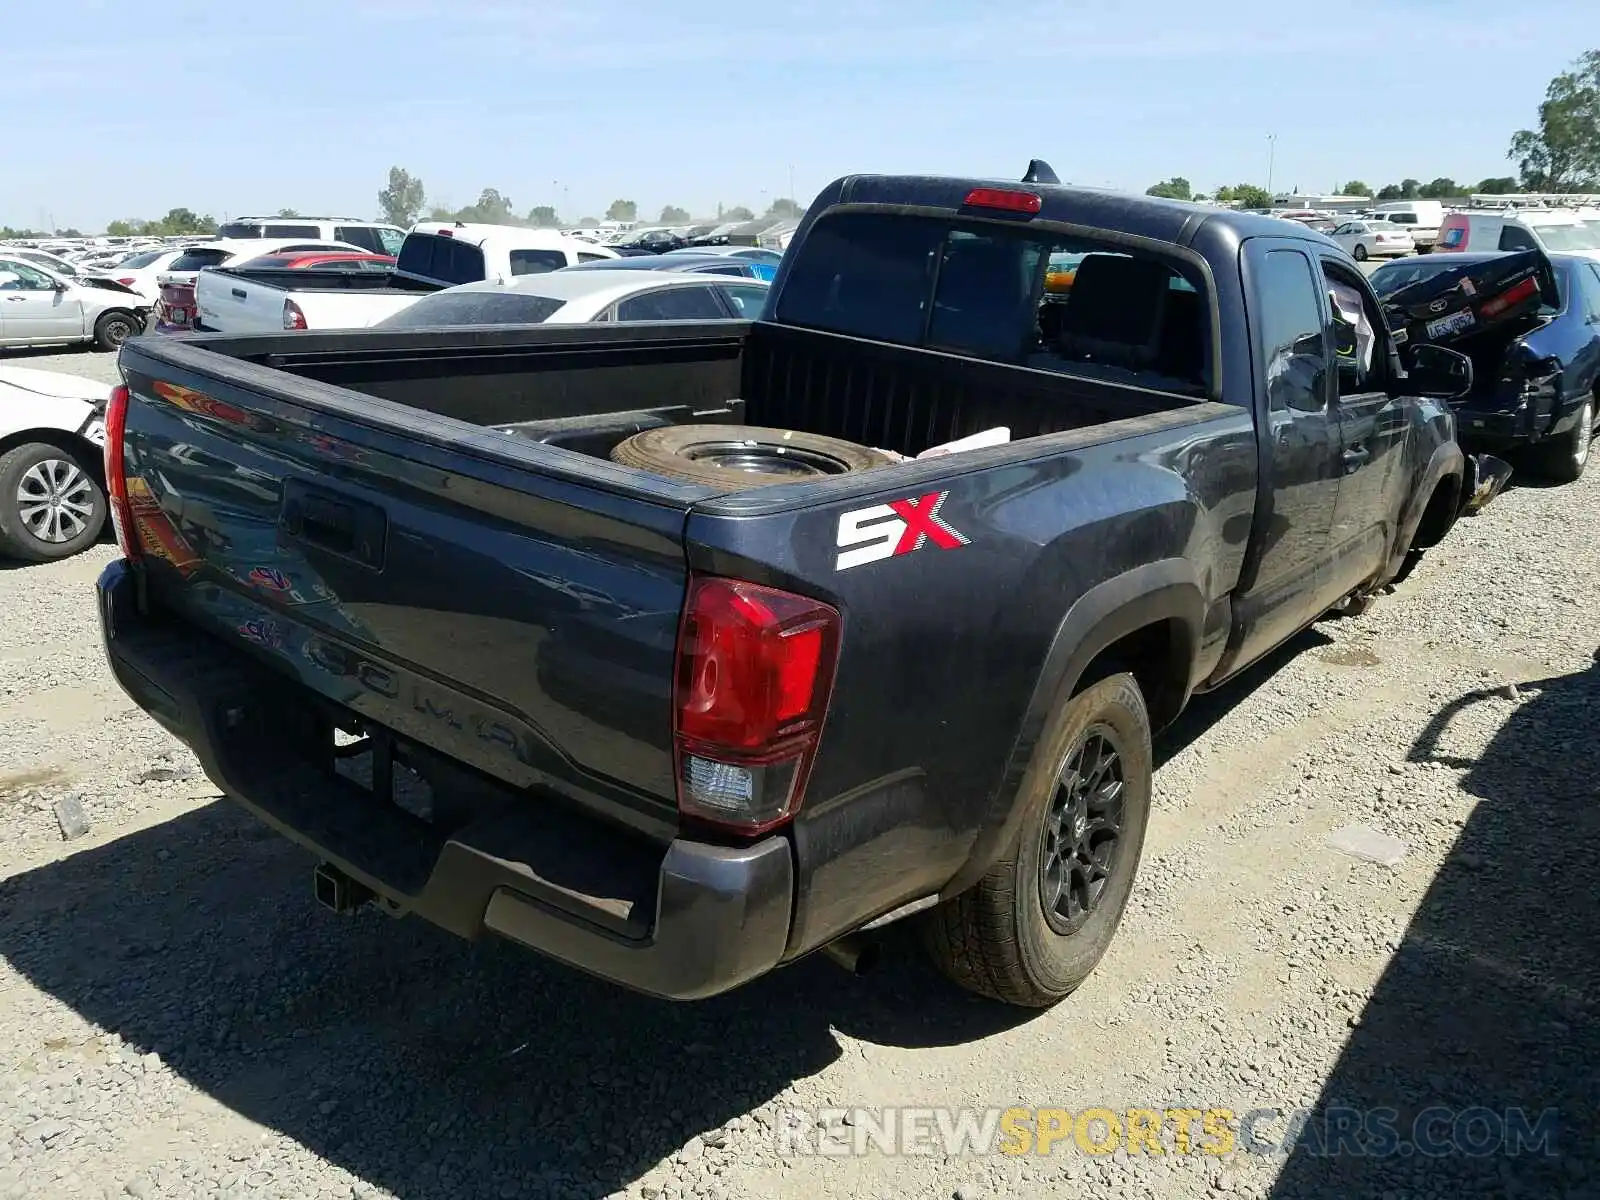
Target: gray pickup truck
[(656, 650)]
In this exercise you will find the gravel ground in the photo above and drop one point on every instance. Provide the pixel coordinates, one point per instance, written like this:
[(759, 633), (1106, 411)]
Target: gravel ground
[(178, 1019)]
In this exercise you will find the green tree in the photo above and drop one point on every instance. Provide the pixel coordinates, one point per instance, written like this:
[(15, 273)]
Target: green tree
[(403, 200), (623, 210), (588, 222), (1389, 191), (738, 213), (671, 214), (1245, 195), (491, 209), (439, 213), (1563, 154), (543, 216), (123, 228), (1498, 185), (1355, 188), (1410, 189), (177, 221), (1440, 189), (1176, 188), (287, 212), (784, 207)]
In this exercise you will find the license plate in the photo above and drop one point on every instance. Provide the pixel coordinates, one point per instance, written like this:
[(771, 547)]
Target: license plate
[(177, 316), (95, 431), (1454, 323)]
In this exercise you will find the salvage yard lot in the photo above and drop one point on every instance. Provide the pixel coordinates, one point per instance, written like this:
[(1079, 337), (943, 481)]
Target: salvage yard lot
[(177, 1017)]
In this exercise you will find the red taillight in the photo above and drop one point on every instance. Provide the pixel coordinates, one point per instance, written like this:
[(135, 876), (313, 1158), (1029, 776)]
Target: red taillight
[(127, 281), (293, 318), (447, 233), (1005, 201), (117, 473), (1515, 295), (754, 675)]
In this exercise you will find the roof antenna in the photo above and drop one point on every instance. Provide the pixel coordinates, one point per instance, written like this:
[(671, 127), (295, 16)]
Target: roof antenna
[(1040, 171)]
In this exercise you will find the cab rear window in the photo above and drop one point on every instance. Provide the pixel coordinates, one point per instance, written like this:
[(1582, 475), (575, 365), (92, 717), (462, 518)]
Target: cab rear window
[(442, 258), (1020, 296), (198, 260)]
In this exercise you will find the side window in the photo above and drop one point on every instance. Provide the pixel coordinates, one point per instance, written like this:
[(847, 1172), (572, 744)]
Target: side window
[(390, 241), (1589, 278), (1289, 323), (360, 235), (1360, 335), (27, 279), (1454, 238), (287, 231), (537, 262), (747, 301), (1514, 237), (673, 304), (585, 256)]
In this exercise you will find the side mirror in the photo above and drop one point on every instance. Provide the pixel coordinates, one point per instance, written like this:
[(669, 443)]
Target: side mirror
[(60, 285), (1439, 373)]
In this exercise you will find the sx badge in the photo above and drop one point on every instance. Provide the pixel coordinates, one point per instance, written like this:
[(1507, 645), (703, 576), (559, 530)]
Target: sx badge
[(898, 527)]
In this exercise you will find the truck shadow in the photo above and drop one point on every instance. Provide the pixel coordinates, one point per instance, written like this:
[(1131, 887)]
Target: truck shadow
[(413, 1060), (1492, 1001)]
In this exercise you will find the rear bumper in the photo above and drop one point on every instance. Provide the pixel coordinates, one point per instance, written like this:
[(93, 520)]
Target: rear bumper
[(1486, 477), (686, 923)]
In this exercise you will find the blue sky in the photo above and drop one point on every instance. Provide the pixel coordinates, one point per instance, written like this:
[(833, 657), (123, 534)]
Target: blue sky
[(307, 103)]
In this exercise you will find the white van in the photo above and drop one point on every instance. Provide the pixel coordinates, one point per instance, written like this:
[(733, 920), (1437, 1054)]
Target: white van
[(1420, 218), (371, 236)]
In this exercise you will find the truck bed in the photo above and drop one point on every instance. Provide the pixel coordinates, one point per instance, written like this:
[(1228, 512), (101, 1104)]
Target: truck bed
[(890, 397)]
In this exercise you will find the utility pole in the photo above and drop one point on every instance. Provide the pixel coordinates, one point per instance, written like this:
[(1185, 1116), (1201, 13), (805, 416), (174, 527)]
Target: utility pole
[(792, 199), (1272, 153)]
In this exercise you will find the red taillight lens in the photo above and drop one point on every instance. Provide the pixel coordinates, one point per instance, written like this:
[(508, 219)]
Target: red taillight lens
[(447, 233), (1005, 201), (293, 318), (754, 675), (1514, 295), (126, 281), (117, 472)]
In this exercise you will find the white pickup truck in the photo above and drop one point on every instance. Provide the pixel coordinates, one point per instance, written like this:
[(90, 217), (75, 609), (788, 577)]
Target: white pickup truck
[(435, 255)]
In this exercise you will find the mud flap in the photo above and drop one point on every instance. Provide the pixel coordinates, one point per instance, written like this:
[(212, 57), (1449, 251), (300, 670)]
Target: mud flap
[(1486, 476)]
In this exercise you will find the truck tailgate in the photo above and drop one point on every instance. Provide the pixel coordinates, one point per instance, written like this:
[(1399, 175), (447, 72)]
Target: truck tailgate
[(474, 594)]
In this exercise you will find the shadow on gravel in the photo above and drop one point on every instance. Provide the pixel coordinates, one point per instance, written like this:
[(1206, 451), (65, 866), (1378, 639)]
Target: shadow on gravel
[(426, 1065), (1490, 1003), (1206, 710)]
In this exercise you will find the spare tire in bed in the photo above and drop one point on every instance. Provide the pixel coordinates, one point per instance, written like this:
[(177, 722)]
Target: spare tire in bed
[(743, 456)]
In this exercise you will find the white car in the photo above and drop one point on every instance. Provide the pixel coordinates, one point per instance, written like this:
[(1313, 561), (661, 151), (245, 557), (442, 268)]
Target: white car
[(577, 297), (40, 308), (1373, 239), (435, 255), (52, 433), (139, 271)]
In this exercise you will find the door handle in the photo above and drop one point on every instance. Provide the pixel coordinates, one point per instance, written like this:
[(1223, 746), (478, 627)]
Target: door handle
[(16, 299)]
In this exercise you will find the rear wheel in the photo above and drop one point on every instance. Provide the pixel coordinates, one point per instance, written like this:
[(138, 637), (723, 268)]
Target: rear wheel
[(1564, 458), (1359, 253), (51, 505), (1032, 929), (113, 329)]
